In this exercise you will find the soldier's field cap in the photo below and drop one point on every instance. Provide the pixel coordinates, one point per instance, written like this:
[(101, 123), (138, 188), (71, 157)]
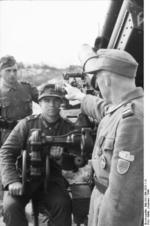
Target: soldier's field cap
[(50, 90), (7, 61), (113, 60)]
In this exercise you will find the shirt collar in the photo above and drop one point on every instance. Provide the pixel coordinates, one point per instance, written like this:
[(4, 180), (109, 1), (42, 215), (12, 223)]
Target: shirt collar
[(134, 94), (48, 124), (9, 87)]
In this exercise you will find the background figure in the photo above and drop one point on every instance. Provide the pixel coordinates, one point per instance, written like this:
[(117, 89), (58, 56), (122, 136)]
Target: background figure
[(55, 200), (15, 97), (117, 159)]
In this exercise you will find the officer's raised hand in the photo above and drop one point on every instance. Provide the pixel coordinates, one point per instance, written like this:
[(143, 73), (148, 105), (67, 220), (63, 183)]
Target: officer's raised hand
[(73, 93), (15, 188)]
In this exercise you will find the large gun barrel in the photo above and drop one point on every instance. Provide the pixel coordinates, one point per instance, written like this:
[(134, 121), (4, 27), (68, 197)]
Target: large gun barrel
[(128, 33), (111, 18)]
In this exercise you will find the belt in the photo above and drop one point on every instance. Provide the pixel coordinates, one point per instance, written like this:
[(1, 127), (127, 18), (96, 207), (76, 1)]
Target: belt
[(101, 187)]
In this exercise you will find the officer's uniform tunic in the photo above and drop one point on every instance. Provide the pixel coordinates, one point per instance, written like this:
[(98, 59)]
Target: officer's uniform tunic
[(117, 160), (17, 141), (16, 103)]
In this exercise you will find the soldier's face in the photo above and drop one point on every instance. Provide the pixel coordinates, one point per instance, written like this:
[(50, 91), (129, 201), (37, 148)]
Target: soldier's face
[(102, 79), (9, 74), (50, 106)]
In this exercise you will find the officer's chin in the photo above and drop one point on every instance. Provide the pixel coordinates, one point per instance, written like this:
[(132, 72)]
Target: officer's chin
[(12, 81)]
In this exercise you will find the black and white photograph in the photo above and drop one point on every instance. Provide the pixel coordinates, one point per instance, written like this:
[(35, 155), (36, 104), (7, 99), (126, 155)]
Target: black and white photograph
[(72, 131)]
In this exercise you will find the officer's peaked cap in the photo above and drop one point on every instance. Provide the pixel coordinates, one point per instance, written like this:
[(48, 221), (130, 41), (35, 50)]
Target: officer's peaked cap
[(7, 61), (113, 60), (50, 90)]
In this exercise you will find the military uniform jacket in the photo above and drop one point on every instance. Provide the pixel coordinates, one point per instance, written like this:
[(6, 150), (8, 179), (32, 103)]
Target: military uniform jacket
[(118, 158), (18, 140), (16, 102)]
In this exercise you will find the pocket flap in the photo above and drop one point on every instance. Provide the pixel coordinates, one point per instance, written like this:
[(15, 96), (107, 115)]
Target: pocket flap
[(109, 143)]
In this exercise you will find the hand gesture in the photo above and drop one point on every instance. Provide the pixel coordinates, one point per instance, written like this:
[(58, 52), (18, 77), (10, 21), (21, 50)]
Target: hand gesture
[(73, 93)]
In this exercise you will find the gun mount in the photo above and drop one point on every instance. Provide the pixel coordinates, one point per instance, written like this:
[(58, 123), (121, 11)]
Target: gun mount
[(81, 81), (35, 162)]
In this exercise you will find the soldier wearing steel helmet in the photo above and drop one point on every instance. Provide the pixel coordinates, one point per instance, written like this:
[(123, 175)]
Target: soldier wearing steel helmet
[(117, 159), (15, 97), (56, 200)]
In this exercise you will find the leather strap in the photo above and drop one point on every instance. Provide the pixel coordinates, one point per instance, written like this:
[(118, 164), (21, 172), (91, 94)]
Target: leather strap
[(101, 187)]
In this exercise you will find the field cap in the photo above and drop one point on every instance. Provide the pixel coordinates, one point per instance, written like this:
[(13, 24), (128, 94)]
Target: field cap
[(113, 60), (7, 61), (50, 90)]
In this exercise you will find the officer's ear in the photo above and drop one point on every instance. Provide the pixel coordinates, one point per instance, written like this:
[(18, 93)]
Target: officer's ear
[(40, 102), (107, 81)]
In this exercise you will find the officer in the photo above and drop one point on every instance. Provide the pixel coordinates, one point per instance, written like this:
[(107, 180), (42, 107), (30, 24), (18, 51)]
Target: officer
[(117, 159), (56, 201), (15, 97)]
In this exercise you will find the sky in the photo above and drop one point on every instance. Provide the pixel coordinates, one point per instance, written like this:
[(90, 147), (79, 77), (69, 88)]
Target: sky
[(49, 31)]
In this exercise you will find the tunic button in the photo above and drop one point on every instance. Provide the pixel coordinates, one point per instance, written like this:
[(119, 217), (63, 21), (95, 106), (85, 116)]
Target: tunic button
[(99, 153), (103, 162)]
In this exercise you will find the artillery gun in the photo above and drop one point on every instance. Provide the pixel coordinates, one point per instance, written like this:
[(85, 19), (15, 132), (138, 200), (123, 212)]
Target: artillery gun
[(123, 29), (34, 163)]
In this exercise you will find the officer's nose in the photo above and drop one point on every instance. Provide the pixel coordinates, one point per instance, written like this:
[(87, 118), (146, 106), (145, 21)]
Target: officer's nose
[(13, 72)]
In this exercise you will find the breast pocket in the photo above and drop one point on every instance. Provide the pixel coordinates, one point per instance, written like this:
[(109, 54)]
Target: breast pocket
[(23, 107), (4, 107), (107, 149), (108, 144)]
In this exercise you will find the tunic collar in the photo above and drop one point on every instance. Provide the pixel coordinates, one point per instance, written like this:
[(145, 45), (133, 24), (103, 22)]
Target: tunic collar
[(8, 87), (49, 125), (134, 94)]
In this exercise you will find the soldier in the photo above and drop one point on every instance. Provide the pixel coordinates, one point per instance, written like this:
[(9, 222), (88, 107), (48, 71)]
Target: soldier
[(56, 200), (15, 97), (117, 159)]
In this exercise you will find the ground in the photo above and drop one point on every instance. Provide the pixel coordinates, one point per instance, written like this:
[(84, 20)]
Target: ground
[(30, 221)]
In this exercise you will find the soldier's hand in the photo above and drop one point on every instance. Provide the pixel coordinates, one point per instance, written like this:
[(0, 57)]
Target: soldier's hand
[(73, 93), (15, 188), (56, 152)]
